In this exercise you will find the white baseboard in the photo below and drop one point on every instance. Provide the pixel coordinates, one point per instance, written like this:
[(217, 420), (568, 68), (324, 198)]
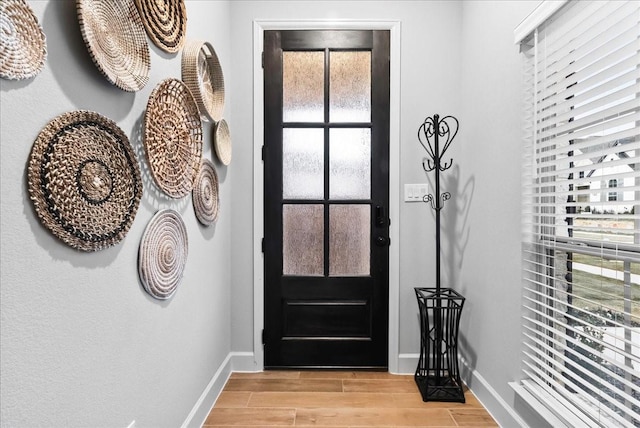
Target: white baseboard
[(499, 409), (407, 363), (504, 414), (235, 362), (244, 362), (207, 399)]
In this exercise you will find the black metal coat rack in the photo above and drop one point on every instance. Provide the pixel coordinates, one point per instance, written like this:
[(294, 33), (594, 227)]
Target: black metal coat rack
[(430, 132), (437, 375)]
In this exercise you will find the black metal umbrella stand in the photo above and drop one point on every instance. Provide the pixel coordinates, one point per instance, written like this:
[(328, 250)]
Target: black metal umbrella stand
[(437, 374)]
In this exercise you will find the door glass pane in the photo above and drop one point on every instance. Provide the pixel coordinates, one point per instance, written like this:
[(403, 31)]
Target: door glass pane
[(350, 87), (349, 240), (302, 163), (303, 86), (303, 240), (350, 163)]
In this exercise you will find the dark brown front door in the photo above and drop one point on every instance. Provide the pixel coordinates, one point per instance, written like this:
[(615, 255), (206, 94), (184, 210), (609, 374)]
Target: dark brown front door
[(326, 160)]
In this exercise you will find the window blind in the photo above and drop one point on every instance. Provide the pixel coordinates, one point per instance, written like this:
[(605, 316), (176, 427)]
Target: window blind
[(581, 213)]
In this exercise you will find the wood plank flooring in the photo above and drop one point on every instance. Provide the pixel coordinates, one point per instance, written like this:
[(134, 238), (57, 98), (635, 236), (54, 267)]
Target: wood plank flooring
[(338, 399)]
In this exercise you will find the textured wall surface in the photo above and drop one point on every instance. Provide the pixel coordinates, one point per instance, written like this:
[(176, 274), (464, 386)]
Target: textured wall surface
[(82, 344), (487, 227), (428, 30)]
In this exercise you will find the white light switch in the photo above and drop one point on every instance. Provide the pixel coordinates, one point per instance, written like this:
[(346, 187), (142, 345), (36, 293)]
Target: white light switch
[(415, 192)]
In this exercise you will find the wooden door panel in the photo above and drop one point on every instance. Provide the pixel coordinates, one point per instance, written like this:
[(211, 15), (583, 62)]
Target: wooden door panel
[(326, 319), (318, 315)]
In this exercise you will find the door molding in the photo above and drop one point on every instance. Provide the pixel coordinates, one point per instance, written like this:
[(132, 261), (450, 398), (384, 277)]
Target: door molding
[(259, 27)]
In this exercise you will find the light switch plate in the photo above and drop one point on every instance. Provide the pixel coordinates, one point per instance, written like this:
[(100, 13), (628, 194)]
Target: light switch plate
[(415, 192)]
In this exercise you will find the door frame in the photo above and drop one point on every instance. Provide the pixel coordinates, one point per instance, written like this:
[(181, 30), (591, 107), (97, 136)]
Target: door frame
[(259, 27)]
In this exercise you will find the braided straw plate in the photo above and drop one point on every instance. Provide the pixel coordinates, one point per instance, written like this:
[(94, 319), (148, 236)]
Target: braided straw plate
[(162, 255), (115, 38), (84, 180), (173, 137), (202, 73), (165, 22), (205, 195), (23, 49), (222, 142)]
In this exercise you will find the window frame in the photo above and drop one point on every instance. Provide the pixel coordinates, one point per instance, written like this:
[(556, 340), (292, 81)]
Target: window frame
[(552, 247)]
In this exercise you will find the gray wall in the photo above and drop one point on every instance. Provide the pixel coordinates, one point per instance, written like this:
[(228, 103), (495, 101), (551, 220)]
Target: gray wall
[(486, 252), (82, 343), (457, 58), (428, 86)]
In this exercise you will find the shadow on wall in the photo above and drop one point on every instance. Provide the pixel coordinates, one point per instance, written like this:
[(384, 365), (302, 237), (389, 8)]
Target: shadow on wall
[(153, 198), (74, 70), (468, 359), (455, 234), (455, 223)]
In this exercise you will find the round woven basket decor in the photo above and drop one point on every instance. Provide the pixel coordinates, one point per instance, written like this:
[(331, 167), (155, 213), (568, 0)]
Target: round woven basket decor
[(222, 142), (84, 180), (173, 137), (165, 22), (202, 73), (162, 255), (23, 50), (116, 40), (205, 195)]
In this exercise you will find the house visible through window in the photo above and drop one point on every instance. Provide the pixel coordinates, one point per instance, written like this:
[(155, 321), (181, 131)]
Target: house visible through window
[(613, 183), (581, 214)]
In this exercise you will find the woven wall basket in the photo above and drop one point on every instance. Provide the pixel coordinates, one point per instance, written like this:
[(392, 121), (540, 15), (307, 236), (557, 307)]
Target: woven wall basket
[(23, 49), (173, 137), (205, 195), (165, 22), (84, 180), (162, 255), (116, 40), (202, 73), (222, 142)]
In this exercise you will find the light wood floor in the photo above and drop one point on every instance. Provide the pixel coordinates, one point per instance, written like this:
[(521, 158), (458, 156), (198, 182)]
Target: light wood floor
[(336, 399)]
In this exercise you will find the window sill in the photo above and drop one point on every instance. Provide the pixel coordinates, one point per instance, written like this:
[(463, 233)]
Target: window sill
[(555, 410)]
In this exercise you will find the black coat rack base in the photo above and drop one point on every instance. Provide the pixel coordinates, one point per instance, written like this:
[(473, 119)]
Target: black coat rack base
[(437, 374)]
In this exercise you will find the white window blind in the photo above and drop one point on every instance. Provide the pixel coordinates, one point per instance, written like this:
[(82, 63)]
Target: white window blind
[(581, 213)]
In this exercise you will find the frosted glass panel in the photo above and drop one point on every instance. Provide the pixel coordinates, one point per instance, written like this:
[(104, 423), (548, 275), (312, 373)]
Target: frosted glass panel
[(349, 240), (350, 87), (350, 163), (303, 86), (302, 163), (303, 240)]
